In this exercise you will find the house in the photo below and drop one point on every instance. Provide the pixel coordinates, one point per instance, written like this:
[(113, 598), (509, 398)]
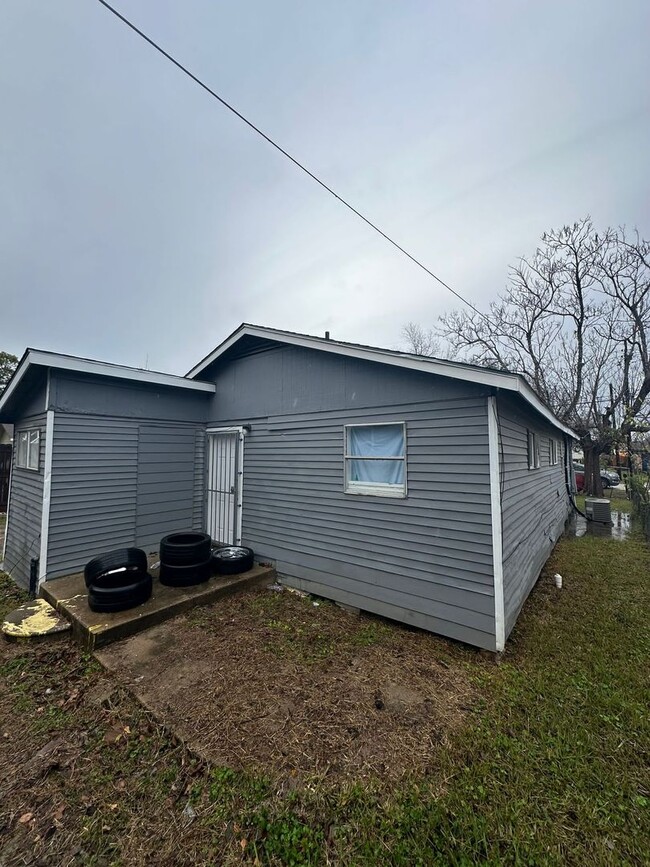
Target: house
[(427, 491)]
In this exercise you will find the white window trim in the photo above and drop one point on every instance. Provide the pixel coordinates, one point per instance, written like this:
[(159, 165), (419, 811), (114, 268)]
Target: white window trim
[(30, 445), (535, 463), (374, 489), (554, 452)]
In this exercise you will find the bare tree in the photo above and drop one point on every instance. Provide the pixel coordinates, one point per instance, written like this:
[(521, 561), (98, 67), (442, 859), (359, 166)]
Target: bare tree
[(575, 322), (419, 340), (425, 341)]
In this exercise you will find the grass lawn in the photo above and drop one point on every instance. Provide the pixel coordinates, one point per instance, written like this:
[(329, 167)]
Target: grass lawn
[(550, 765)]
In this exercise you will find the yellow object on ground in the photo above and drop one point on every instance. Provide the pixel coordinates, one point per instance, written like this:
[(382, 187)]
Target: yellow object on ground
[(32, 621)]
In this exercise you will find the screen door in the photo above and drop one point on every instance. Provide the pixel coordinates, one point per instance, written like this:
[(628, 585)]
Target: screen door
[(224, 506)]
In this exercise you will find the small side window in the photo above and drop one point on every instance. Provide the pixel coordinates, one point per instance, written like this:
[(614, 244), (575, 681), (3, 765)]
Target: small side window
[(533, 451), (27, 449), (553, 452)]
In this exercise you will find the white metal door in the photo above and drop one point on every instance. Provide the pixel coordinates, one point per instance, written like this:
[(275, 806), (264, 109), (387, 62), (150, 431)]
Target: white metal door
[(224, 506)]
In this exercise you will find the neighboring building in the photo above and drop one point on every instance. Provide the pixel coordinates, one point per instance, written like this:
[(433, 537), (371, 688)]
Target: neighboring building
[(427, 491)]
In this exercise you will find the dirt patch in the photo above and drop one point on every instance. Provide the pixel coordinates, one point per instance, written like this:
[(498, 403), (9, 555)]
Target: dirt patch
[(272, 682), (87, 776)]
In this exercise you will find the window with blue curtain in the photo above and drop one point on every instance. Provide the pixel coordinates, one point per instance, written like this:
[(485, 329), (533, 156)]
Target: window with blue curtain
[(375, 459)]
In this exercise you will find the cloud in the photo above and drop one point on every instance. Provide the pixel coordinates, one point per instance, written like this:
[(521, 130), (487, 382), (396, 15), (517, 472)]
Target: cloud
[(143, 221)]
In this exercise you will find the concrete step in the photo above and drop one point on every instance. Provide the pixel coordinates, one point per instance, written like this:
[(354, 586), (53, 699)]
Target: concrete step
[(93, 629)]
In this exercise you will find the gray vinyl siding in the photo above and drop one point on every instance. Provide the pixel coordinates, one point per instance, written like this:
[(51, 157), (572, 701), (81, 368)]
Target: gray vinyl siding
[(25, 506), (118, 482), (425, 560), (170, 481), (535, 503), (84, 394)]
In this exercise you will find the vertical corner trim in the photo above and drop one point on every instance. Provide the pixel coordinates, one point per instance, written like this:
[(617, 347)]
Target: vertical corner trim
[(240, 486), (47, 491), (47, 389), (497, 534), (11, 479)]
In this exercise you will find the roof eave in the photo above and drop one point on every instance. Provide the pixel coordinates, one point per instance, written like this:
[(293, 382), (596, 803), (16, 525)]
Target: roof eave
[(482, 376), (38, 358)]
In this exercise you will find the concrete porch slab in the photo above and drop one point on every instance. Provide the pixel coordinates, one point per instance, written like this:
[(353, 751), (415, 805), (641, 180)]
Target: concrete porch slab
[(94, 629)]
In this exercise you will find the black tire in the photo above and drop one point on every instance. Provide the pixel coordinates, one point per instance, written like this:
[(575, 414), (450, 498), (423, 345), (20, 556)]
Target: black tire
[(185, 576), (232, 559), (112, 581), (120, 592), (123, 558), (185, 549), (110, 604)]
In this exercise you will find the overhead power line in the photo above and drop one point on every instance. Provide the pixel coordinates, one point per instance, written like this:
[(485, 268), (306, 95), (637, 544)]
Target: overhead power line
[(285, 153)]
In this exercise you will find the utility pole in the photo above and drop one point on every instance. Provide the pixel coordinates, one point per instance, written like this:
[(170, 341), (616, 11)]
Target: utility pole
[(617, 456), (626, 404)]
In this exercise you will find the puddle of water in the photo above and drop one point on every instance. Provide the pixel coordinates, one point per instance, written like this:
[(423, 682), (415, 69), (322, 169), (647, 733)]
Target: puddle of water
[(619, 528)]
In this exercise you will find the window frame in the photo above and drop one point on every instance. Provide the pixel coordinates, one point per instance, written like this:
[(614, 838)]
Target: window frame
[(532, 446), (374, 489), (28, 444), (553, 452)]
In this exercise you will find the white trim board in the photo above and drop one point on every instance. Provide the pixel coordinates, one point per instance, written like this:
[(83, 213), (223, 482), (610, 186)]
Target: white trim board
[(35, 357), (47, 492), (240, 430), (497, 529), (11, 478), (439, 367)]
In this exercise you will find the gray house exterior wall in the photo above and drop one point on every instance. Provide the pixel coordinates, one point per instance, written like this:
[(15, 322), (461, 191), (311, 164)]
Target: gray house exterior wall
[(426, 559), (23, 530), (535, 503), (127, 467)]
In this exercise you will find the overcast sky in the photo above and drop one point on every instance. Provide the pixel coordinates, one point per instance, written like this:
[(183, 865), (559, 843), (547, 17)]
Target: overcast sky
[(141, 222)]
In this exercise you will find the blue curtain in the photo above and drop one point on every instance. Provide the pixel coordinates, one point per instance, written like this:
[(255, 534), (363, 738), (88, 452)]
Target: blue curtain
[(376, 441)]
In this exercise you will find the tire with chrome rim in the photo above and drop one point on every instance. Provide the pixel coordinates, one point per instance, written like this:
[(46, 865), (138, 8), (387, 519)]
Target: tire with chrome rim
[(232, 559)]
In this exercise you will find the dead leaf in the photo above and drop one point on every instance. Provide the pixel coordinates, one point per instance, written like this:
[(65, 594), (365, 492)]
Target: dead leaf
[(25, 818), (243, 843), (57, 815), (113, 806)]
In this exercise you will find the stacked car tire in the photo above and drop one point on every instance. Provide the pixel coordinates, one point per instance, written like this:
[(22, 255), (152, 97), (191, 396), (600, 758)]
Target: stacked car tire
[(118, 580), (185, 559)]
